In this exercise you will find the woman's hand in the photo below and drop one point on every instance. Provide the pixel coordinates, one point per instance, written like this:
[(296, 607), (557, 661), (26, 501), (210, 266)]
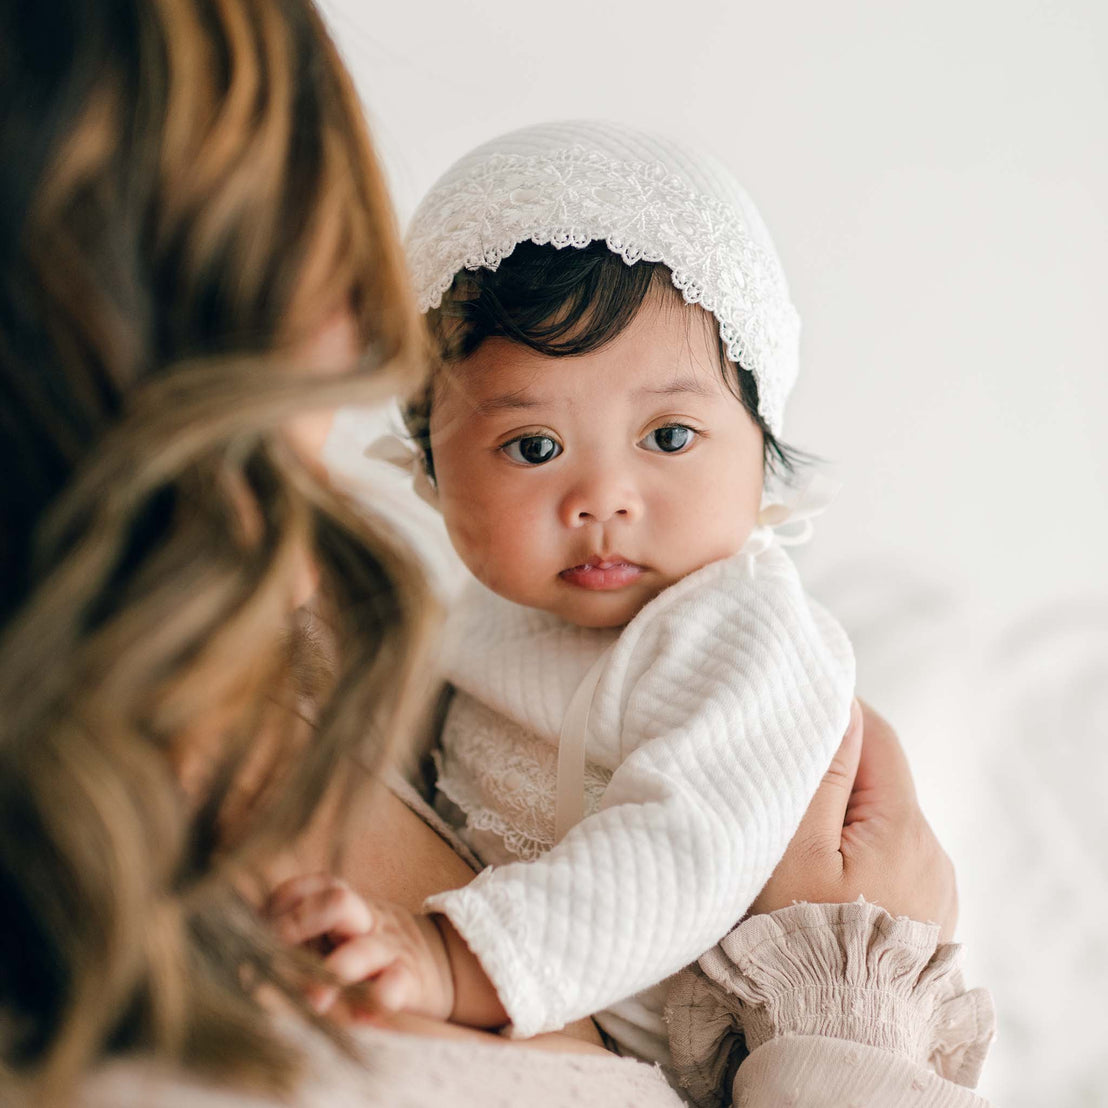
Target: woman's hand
[(865, 835)]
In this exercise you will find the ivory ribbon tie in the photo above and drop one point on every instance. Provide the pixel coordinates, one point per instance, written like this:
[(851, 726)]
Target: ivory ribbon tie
[(403, 454)]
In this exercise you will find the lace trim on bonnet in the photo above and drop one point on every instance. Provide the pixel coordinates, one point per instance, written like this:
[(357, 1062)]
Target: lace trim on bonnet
[(695, 219)]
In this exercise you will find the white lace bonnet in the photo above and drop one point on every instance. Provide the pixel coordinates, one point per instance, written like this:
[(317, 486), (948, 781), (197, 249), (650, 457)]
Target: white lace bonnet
[(649, 198)]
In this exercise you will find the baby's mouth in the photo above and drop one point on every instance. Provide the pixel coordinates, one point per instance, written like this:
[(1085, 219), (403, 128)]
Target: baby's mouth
[(602, 574)]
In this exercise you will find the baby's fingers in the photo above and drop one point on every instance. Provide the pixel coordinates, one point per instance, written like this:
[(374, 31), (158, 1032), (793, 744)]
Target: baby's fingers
[(384, 980), (294, 889), (360, 958), (395, 989), (333, 910), (352, 962)]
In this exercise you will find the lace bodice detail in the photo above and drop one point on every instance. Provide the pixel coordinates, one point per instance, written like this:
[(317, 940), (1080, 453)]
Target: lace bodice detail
[(504, 778)]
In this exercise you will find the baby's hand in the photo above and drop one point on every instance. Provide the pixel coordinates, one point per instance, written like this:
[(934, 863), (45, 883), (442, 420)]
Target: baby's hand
[(399, 958)]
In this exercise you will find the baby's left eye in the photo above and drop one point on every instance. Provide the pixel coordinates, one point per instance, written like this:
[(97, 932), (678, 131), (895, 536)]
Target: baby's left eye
[(669, 440)]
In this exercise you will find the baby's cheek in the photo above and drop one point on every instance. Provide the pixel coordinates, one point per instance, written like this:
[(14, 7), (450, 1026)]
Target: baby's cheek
[(738, 528), (465, 530), (722, 525), (506, 552), (473, 531)]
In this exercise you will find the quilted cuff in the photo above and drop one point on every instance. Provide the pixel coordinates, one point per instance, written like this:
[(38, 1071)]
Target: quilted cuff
[(489, 916), (844, 971)]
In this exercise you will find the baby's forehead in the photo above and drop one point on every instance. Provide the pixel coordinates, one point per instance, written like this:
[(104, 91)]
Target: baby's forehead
[(668, 347)]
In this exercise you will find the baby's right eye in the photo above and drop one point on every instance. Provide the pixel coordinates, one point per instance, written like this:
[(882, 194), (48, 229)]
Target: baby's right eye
[(532, 450)]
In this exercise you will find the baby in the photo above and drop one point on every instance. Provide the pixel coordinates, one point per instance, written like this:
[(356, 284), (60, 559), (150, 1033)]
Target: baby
[(644, 698)]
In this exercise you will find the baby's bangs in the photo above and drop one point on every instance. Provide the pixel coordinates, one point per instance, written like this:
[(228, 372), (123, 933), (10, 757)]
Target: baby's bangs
[(558, 303)]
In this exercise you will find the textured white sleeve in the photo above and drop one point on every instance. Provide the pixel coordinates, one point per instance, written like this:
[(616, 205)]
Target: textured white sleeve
[(730, 722)]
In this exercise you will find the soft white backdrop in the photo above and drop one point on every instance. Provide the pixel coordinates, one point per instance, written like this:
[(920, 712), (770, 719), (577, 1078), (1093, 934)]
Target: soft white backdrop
[(936, 179)]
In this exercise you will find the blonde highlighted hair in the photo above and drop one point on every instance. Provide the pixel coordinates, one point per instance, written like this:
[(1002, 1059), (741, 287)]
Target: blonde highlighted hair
[(187, 193)]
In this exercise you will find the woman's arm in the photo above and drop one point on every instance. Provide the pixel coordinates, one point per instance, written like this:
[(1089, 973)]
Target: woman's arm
[(839, 1002), (381, 848), (389, 853)]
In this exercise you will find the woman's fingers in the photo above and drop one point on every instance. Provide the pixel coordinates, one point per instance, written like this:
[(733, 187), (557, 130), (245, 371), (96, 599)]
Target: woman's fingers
[(822, 825), (891, 855), (884, 780), (864, 835), (812, 865)]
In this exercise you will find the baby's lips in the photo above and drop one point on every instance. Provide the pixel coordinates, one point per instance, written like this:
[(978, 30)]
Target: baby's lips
[(604, 561), (603, 576)]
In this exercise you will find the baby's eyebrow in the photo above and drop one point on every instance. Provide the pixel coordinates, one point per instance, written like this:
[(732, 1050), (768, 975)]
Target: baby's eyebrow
[(522, 400), (509, 402), (680, 385)]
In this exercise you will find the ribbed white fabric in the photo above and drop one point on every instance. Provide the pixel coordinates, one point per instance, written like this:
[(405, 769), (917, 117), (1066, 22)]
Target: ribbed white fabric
[(719, 710), (649, 198)]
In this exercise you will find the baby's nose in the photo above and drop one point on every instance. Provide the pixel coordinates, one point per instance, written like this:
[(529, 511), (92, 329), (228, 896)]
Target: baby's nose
[(600, 515), (599, 500)]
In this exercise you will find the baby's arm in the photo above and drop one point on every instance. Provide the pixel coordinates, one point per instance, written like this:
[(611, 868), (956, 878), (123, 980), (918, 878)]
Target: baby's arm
[(402, 961), (731, 731)]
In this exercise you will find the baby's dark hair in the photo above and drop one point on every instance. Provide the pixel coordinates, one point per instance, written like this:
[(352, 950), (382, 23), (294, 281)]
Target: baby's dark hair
[(563, 302)]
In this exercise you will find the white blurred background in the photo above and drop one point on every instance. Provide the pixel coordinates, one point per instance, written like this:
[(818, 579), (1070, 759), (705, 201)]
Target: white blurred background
[(936, 179)]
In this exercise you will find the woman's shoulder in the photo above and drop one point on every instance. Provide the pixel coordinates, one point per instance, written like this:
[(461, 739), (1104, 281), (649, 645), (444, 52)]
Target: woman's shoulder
[(402, 1070)]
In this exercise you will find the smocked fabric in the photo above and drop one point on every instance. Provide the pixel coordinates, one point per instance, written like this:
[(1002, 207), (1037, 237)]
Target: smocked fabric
[(830, 971)]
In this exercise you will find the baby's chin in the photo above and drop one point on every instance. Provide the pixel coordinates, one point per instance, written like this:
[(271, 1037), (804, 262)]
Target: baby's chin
[(598, 611), (580, 607), (597, 621)]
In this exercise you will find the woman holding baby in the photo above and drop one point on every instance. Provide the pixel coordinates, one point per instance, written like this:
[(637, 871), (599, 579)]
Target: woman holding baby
[(199, 265)]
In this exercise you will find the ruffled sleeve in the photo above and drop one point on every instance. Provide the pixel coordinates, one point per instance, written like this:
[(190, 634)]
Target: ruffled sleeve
[(828, 971)]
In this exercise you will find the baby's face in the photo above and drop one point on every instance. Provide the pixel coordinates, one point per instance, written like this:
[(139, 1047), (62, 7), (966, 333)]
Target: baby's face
[(585, 485)]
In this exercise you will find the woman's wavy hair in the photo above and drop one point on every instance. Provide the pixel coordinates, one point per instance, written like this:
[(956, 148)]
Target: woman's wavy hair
[(187, 194)]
